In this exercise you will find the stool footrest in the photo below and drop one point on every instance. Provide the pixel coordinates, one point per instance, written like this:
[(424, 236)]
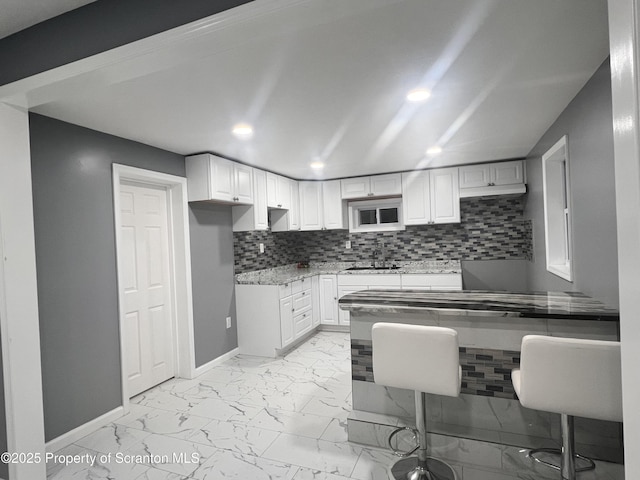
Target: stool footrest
[(400, 453), (556, 451)]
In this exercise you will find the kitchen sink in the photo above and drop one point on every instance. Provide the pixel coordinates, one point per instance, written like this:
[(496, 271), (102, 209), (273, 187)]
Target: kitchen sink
[(392, 267)]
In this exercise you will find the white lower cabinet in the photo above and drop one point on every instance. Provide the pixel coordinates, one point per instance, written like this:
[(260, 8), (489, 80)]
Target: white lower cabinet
[(272, 317), (328, 288)]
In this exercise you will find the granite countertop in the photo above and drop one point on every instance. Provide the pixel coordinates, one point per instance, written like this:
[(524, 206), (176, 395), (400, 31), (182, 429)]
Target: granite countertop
[(290, 273), (561, 305)]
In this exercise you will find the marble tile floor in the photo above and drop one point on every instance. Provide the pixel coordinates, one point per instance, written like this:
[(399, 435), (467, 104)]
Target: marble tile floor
[(266, 419)]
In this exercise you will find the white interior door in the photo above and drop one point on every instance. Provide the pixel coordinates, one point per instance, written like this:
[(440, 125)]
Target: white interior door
[(149, 346)]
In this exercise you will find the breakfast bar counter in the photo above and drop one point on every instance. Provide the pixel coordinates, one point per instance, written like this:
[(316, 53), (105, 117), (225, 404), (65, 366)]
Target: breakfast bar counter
[(559, 305), (490, 326)]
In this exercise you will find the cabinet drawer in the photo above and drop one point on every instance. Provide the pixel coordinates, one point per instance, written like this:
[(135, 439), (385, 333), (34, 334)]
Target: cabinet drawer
[(300, 285), (374, 280), (285, 290), (302, 323), (302, 300)]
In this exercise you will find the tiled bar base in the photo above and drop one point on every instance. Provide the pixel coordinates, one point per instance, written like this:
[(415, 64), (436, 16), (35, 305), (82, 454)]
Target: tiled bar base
[(487, 410), (471, 459)]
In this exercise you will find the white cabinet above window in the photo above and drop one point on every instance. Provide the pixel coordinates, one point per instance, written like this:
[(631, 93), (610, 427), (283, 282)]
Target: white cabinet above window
[(372, 186), (492, 179), (212, 178)]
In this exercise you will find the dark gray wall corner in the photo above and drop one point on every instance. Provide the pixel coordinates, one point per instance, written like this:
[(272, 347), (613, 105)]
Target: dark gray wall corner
[(76, 264), (213, 280), (95, 28), (587, 121)]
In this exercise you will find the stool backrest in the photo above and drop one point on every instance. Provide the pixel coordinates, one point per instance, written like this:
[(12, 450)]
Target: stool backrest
[(416, 357), (571, 376)]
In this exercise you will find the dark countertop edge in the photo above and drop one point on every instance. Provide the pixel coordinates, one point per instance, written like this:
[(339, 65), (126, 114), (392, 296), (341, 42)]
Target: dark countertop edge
[(363, 305)]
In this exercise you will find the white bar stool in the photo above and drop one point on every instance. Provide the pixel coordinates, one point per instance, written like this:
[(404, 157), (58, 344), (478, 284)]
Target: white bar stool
[(426, 360), (572, 377)]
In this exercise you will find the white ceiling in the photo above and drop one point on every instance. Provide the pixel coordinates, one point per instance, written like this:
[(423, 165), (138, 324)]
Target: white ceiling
[(16, 15), (326, 80)]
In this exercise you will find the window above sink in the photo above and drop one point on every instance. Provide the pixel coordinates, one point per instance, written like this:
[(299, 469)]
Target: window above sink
[(376, 215)]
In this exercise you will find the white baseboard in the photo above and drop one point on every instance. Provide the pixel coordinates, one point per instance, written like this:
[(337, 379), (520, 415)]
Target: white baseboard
[(216, 361), (83, 430)]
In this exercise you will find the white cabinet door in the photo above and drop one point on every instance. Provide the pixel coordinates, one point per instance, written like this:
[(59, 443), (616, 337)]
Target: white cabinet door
[(333, 208), (473, 176), (358, 187), (507, 173), (416, 201), (221, 180), (445, 195), (294, 207), (261, 216), (283, 193), (328, 287), (315, 300), (311, 217), (382, 185), (286, 320), (243, 183), (272, 190)]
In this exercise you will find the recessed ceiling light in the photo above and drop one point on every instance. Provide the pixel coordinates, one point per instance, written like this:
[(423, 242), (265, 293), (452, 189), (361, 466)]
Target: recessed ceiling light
[(433, 151), (317, 165), (418, 95), (243, 130)]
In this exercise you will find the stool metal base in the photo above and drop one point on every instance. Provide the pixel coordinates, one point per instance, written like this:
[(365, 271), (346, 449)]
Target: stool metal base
[(409, 469), (590, 465)]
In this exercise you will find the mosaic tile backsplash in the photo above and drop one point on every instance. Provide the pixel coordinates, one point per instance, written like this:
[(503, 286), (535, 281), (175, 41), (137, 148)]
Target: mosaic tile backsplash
[(491, 228), (485, 372)]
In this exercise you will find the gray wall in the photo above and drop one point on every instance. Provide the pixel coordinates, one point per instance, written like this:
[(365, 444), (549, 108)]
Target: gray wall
[(76, 262), (587, 121), (101, 26), (213, 280)]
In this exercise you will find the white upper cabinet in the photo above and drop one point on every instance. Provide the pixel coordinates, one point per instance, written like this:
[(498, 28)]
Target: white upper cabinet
[(445, 195), (287, 220), (430, 196), (321, 207), (492, 179), (373, 186), (416, 200), (334, 211), (253, 217), (217, 179), (294, 209), (278, 191), (311, 216)]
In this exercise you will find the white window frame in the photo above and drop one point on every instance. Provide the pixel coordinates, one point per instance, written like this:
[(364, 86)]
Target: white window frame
[(557, 210), (355, 207)]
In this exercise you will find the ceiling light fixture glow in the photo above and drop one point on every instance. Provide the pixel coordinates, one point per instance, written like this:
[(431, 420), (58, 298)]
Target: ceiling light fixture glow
[(243, 130), (418, 95), (317, 165), (433, 151)]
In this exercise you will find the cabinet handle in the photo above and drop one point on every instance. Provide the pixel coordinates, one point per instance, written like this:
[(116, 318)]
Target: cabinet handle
[(304, 293), (293, 309), (335, 298)]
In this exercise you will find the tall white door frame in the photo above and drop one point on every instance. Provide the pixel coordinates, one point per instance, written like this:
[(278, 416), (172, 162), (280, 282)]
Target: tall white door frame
[(180, 253), (624, 44)]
